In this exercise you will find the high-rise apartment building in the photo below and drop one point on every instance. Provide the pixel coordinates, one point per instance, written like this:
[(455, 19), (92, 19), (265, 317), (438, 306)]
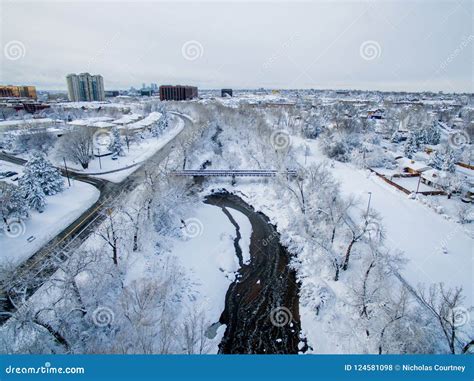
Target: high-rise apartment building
[(85, 87)]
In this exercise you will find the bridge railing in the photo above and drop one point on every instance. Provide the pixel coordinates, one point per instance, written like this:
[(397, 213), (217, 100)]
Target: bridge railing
[(233, 172)]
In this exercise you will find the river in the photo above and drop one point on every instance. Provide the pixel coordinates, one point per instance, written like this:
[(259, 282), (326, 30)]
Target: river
[(261, 306)]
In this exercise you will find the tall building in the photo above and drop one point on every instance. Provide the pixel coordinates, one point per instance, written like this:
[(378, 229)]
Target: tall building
[(177, 93), (85, 87), (18, 91)]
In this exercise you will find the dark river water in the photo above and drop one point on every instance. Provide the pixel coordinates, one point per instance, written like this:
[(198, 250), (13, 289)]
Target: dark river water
[(261, 306)]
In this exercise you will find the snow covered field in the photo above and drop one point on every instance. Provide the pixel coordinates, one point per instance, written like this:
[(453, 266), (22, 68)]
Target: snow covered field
[(412, 228), (210, 258), (61, 209)]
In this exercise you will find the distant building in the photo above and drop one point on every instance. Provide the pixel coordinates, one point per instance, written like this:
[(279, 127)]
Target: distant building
[(226, 93), (18, 92), (85, 87), (177, 93), (146, 92), (112, 93), (375, 114)]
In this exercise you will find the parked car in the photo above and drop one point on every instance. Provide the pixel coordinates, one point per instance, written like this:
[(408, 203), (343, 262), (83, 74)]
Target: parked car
[(4, 175)]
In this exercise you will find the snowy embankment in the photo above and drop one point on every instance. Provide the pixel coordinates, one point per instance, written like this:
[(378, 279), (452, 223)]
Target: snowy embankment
[(137, 154), (209, 257), (437, 249), (61, 210)]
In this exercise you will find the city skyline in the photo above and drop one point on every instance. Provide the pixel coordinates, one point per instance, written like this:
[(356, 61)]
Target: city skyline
[(417, 47)]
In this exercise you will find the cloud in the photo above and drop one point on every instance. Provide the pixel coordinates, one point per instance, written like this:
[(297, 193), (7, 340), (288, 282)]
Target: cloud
[(279, 44)]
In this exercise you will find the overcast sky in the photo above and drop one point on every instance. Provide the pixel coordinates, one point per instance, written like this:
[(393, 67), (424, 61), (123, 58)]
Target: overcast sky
[(401, 45)]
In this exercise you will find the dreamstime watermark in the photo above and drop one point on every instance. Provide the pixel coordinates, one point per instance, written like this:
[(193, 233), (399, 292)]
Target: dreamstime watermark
[(281, 316), (277, 55), (461, 316), (370, 50), (192, 228), (464, 43), (103, 316), (45, 369), (266, 241), (102, 140), (14, 229), (458, 139), (280, 140), (102, 52), (14, 50), (192, 50)]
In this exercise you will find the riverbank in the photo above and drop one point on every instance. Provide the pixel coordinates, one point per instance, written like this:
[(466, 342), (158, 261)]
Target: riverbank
[(261, 306)]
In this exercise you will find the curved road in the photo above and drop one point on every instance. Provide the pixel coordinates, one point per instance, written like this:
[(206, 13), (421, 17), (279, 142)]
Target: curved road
[(39, 267)]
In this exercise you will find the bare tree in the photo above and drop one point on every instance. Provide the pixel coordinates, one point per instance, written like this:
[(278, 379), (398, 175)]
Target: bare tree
[(446, 305), (110, 234), (193, 333), (77, 146), (371, 223)]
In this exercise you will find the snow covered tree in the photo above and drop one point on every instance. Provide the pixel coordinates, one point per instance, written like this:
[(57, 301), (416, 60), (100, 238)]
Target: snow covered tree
[(13, 207), (116, 145), (432, 135), (8, 141), (35, 196), (396, 137), (164, 121), (411, 145), (446, 307), (452, 183), (162, 124), (30, 139), (421, 136), (335, 146), (39, 170), (436, 160), (449, 161)]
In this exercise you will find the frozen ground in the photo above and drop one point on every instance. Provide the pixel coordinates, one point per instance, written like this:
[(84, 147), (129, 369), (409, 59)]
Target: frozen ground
[(61, 209), (210, 259)]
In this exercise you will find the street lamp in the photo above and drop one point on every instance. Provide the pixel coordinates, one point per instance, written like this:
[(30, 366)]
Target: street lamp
[(368, 204), (98, 155)]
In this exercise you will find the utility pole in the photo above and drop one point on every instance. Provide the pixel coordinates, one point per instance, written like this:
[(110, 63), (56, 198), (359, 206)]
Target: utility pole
[(67, 173), (368, 204), (98, 155), (418, 186)]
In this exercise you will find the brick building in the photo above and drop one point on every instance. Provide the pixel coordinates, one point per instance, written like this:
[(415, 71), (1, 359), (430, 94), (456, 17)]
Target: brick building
[(177, 93), (18, 92)]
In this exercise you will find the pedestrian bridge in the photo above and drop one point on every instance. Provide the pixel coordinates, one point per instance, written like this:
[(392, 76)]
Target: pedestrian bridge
[(233, 172)]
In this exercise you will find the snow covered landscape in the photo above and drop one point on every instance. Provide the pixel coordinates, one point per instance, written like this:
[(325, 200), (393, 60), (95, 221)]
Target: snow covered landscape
[(184, 181), (259, 223)]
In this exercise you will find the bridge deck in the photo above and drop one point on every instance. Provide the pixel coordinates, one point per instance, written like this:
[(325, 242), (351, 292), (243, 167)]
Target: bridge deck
[(233, 172)]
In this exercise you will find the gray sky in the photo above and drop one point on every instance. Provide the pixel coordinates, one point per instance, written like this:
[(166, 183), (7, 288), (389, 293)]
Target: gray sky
[(400, 45)]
